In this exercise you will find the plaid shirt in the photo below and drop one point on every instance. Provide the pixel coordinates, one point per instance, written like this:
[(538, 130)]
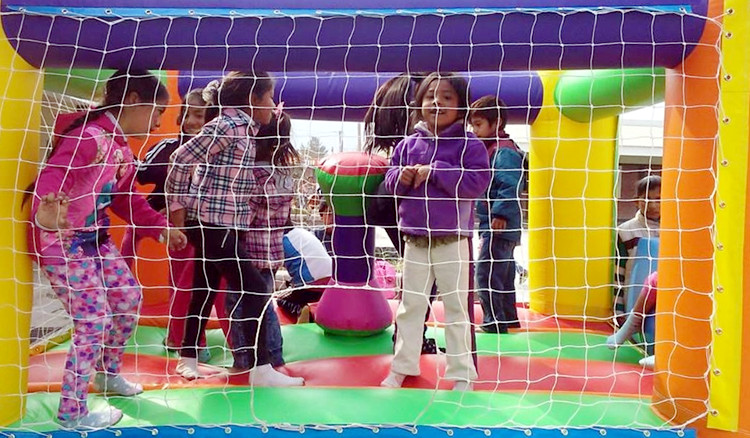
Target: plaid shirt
[(212, 174), (273, 204)]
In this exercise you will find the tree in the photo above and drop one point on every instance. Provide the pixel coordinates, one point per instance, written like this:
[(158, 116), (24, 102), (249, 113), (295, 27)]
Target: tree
[(313, 151)]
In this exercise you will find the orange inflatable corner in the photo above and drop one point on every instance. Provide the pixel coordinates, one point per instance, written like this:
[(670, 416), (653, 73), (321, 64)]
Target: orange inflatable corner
[(151, 266), (684, 305)]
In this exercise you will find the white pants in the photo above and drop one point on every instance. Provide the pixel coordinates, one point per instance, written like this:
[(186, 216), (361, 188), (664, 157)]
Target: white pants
[(448, 266)]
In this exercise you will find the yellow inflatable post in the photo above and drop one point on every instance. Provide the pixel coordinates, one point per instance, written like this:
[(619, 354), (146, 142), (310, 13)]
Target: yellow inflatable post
[(21, 87), (571, 208), (729, 376)]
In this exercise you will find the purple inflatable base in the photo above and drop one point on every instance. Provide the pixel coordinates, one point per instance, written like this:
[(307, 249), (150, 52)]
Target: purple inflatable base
[(353, 309)]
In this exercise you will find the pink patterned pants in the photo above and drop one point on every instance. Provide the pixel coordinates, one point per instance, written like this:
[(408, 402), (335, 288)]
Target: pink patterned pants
[(102, 297)]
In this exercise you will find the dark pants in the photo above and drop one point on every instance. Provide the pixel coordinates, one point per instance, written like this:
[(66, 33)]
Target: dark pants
[(495, 282), (271, 322), (382, 211), (220, 253)]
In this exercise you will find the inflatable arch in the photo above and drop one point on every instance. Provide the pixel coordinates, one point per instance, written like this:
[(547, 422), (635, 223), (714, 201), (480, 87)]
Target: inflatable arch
[(704, 240)]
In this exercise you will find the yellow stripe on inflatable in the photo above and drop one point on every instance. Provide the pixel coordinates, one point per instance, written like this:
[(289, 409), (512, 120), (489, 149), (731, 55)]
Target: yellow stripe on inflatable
[(731, 199), (21, 88)]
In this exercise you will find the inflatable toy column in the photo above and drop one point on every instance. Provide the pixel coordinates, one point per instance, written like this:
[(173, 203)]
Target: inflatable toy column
[(352, 305), (571, 183), (19, 133), (702, 334), (684, 305)]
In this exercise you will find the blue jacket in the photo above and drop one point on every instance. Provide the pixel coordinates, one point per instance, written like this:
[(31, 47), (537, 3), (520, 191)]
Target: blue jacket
[(460, 174), (503, 199)]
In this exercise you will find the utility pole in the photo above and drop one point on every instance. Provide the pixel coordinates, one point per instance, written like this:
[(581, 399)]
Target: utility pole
[(360, 134)]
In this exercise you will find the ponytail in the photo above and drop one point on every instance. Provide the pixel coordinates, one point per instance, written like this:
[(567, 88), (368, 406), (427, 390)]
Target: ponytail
[(237, 87), (210, 95), (273, 142), (387, 120)]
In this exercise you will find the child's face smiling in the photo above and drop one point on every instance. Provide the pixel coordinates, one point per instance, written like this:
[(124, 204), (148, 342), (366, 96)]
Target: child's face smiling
[(194, 116), (440, 105)]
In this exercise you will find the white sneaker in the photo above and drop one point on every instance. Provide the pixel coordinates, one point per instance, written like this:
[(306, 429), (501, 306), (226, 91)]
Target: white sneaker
[(265, 375), (393, 380), (187, 367), (647, 362), (115, 384), (107, 417), (463, 385)]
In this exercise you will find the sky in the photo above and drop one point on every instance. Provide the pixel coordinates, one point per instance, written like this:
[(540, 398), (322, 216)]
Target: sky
[(639, 129)]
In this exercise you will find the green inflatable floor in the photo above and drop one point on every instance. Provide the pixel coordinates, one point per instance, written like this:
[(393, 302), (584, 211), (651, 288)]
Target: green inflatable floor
[(309, 406), (307, 341)]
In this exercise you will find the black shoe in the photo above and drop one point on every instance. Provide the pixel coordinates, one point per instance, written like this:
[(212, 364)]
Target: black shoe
[(429, 346), (497, 328), (292, 309)]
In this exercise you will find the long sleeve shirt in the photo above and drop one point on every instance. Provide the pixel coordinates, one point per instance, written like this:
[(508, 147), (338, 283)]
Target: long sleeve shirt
[(94, 166), (154, 168), (273, 206), (212, 174), (460, 173), (503, 196)]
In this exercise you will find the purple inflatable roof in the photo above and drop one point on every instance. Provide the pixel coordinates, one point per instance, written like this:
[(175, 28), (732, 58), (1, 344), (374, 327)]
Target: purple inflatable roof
[(338, 96), (288, 35), (353, 4)]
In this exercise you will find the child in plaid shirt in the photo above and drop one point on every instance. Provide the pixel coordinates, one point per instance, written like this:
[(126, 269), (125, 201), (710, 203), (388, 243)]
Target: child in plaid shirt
[(212, 182), (274, 158)]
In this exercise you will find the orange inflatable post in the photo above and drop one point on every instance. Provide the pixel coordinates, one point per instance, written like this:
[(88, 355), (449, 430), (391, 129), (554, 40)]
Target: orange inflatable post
[(684, 304), (151, 265)]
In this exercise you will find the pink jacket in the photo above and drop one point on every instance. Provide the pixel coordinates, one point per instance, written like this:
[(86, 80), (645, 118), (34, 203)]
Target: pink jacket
[(94, 166)]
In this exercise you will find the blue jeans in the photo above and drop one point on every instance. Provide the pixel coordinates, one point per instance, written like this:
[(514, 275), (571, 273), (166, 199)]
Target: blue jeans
[(274, 341), (218, 249), (495, 282)]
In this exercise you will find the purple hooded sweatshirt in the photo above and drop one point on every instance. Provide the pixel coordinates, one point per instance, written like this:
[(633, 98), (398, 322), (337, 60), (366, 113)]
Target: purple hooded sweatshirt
[(460, 174)]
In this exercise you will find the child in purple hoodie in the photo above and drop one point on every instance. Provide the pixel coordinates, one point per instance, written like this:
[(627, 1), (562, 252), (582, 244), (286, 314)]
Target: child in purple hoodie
[(90, 169), (437, 173)]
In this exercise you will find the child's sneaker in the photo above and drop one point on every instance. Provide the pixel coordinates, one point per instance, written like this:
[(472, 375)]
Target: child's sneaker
[(107, 417), (265, 375), (187, 367), (611, 342), (494, 328), (429, 346), (393, 380), (647, 362), (115, 384), (463, 386)]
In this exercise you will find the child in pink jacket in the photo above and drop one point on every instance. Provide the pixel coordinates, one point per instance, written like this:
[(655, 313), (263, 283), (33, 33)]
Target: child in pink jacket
[(89, 170)]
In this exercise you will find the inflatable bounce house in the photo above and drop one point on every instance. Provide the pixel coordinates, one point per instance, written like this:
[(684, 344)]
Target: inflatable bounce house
[(566, 68)]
